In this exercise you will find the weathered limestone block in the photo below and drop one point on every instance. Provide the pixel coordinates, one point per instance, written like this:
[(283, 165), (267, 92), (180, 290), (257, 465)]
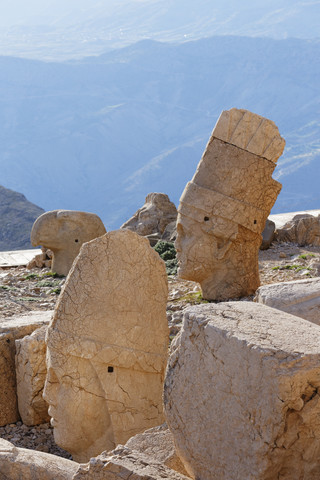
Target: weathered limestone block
[(63, 232), (23, 464), (157, 443), (241, 393), (303, 229), (11, 330), (267, 234), (125, 464), (31, 373), (223, 210), (300, 298), (107, 346), (153, 217)]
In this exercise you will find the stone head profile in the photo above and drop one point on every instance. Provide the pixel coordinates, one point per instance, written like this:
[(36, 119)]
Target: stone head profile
[(107, 346), (64, 231), (223, 210)]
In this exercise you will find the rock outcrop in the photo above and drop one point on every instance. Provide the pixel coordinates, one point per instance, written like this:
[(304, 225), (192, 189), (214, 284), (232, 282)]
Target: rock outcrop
[(241, 393), (303, 229)]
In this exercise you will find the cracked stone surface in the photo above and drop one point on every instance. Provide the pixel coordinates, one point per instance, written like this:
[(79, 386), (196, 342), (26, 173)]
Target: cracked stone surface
[(256, 411), (303, 229), (63, 232), (125, 464), (107, 346), (223, 210), (30, 375)]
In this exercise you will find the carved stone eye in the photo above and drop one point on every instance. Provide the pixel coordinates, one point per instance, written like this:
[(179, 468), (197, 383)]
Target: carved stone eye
[(206, 219), (110, 369), (76, 240)]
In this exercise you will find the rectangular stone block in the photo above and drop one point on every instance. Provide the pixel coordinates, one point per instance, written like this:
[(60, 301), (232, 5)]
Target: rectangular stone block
[(11, 330)]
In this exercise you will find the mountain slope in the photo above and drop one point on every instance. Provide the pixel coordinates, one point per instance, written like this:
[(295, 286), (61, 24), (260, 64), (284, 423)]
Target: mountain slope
[(100, 133), (17, 215)]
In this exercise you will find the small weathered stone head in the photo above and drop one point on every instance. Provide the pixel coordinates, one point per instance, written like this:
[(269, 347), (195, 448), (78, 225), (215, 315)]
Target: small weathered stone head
[(64, 231), (107, 346), (223, 210)]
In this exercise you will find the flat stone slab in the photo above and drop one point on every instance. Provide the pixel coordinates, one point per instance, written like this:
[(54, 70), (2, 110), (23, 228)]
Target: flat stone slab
[(281, 219), (17, 258)]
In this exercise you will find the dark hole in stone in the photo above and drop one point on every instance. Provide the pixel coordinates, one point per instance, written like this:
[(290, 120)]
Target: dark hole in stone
[(110, 369), (255, 222), (76, 240), (206, 219), (8, 340)]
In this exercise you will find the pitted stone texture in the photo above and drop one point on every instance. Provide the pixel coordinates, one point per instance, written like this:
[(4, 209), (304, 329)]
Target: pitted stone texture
[(153, 217), (223, 210), (157, 443), (241, 393), (303, 229), (63, 232), (300, 298), (20, 463), (11, 330), (31, 373), (107, 346), (125, 464)]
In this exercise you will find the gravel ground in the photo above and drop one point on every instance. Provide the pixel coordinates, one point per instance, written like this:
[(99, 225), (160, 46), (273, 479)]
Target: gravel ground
[(23, 290)]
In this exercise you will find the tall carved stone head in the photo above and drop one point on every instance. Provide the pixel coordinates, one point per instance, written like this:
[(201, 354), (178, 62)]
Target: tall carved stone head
[(223, 210), (107, 346)]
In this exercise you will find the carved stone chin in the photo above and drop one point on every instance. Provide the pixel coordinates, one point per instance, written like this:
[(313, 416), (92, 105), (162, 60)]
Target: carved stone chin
[(223, 210)]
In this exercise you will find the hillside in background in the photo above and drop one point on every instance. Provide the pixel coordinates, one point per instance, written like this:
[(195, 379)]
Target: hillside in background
[(17, 216), (101, 133)]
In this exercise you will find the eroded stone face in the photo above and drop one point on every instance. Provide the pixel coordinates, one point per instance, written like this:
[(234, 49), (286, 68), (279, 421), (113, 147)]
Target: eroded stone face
[(223, 210), (63, 232), (241, 393), (107, 346)]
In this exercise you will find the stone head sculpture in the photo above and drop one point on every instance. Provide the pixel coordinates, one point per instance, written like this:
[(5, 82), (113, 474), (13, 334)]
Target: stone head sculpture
[(107, 346), (223, 210), (64, 231)]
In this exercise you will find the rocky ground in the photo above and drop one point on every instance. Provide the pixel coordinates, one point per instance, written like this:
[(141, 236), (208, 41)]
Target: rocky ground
[(23, 290)]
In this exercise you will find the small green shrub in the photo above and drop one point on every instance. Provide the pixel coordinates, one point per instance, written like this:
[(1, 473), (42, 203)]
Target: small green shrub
[(31, 276), (168, 253)]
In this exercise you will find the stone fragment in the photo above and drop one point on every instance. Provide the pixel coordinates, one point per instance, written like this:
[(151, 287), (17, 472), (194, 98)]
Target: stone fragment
[(300, 298), (107, 346), (224, 208), (157, 443), (11, 330), (31, 374), (153, 217), (241, 393), (267, 234), (170, 232), (125, 464), (303, 229), (20, 463), (63, 232)]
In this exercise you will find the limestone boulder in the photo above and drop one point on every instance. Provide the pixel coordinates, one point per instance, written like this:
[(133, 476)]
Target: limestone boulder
[(63, 232), (153, 217), (12, 329), (125, 464), (241, 393), (267, 234), (31, 373), (303, 229), (157, 443), (20, 463), (300, 298)]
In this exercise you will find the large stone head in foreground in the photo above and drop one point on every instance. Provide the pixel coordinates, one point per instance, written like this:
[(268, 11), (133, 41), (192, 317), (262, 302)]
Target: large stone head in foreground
[(107, 346), (223, 210), (64, 231)]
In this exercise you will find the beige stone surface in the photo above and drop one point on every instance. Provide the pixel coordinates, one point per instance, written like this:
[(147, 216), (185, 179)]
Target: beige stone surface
[(107, 346), (241, 393), (125, 464), (153, 217), (22, 464), (63, 232), (300, 298), (157, 443), (31, 374), (223, 210), (303, 229), (11, 330)]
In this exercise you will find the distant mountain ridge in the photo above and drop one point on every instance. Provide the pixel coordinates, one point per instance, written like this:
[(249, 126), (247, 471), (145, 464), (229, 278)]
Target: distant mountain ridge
[(101, 133), (17, 215)]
